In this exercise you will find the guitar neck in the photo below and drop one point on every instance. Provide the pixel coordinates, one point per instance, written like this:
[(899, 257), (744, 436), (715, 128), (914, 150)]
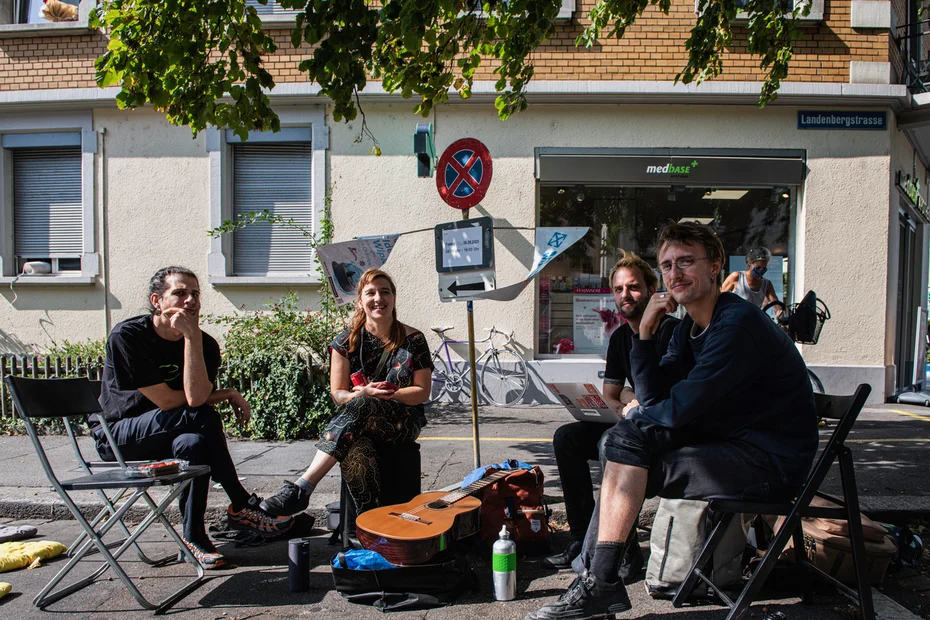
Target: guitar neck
[(474, 487)]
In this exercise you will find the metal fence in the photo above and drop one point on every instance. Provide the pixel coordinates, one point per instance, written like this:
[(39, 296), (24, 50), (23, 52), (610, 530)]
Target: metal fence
[(51, 367), (44, 367)]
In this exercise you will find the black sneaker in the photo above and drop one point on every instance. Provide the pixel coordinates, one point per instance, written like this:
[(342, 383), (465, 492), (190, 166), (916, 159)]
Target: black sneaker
[(564, 559), (252, 518), (204, 552), (586, 598), (289, 500)]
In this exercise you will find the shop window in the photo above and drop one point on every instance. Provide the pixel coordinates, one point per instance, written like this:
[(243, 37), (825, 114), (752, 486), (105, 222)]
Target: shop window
[(577, 313)]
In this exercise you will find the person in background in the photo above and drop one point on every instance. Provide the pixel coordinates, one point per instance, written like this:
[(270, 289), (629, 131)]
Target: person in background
[(380, 376), (750, 284), (633, 282), (158, 393)]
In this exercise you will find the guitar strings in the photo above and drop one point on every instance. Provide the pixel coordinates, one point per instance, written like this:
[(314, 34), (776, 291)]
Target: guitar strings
[(454, 496)]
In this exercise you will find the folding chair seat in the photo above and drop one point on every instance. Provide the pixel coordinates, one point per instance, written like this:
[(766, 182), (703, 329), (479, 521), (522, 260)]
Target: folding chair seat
[(845, 410), (66, 398)]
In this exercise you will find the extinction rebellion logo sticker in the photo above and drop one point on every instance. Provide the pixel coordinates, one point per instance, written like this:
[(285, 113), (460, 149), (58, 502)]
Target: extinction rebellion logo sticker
[(682, 170)]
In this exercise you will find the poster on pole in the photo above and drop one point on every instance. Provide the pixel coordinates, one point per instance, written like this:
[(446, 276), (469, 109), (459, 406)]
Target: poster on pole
[(591, 331), (345, 262)]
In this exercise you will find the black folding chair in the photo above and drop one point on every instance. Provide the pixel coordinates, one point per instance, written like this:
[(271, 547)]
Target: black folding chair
[(109, 503), (66, 398), (845, 410)]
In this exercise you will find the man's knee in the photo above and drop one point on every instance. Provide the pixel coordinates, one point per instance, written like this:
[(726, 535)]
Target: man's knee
[(631, 442), (562, 439), (192, 447)]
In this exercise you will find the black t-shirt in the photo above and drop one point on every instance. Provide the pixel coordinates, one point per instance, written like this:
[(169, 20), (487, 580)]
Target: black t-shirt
[(138, 357), (621, 343)]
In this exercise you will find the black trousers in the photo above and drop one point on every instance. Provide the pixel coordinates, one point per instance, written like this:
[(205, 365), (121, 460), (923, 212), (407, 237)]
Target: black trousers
[(194, 434), (575, 444), (682, 466)]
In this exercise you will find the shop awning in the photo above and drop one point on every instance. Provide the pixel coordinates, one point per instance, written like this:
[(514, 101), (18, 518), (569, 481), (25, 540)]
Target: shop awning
[(659, 167)]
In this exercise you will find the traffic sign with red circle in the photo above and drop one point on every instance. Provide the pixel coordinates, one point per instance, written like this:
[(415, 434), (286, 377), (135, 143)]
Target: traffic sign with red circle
[(464, 173)]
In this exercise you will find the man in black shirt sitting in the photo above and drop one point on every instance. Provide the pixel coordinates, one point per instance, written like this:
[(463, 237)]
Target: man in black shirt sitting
[(633, 283), (157, 397)]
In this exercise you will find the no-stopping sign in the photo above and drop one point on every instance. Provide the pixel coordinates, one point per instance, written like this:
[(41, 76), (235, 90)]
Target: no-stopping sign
[(464, 173)]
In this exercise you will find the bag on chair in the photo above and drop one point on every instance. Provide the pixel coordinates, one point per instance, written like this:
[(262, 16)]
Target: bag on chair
[(679, 531)]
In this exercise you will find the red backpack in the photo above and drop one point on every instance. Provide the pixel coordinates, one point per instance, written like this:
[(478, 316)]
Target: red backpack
[(517, 502)]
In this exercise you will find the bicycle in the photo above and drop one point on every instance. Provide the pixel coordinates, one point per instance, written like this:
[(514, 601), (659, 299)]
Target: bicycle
[(503, 377), (817, 313)]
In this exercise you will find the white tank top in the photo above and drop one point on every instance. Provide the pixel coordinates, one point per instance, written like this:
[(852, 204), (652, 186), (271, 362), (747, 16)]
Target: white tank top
[(753, 297)]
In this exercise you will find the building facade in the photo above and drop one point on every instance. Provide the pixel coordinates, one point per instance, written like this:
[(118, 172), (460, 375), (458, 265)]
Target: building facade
[(832, 178)]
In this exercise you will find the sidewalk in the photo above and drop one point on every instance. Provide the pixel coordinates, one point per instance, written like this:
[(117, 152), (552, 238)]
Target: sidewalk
[(890, 444)]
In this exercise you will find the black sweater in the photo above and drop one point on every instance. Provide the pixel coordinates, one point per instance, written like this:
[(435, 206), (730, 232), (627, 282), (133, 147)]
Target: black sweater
[(742, 378)]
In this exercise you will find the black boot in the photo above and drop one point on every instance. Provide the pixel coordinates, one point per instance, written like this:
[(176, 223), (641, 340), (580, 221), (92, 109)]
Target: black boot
[(587, 597), (564, 559)]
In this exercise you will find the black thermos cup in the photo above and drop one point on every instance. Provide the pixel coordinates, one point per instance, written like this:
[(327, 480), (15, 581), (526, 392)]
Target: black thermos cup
[(298, 564)]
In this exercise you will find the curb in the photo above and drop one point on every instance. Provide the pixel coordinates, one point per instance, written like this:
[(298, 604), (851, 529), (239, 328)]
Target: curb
[(888, 609)]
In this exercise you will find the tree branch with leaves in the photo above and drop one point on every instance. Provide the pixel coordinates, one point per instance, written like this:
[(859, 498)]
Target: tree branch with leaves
[(200, 62)]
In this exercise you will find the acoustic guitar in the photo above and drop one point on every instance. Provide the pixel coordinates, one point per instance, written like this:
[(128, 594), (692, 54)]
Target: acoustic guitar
[(414, 532)]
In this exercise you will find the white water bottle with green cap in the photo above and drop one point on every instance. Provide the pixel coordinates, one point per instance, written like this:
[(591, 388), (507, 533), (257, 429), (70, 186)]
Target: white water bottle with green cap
[(504, 565)]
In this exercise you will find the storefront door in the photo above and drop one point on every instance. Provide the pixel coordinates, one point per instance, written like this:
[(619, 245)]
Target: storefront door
[(909, 235)]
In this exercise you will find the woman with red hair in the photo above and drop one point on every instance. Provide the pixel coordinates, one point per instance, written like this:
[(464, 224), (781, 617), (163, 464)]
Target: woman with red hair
[(380, 376)]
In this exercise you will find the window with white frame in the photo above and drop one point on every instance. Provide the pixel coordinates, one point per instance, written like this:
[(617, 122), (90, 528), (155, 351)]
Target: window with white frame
[(46, 198), (565, 12), (283, 173), (277, 178), (40, 12)]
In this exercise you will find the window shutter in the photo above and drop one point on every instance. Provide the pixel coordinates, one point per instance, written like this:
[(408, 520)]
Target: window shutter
[(270, 8), (47, 210), (275, 178)]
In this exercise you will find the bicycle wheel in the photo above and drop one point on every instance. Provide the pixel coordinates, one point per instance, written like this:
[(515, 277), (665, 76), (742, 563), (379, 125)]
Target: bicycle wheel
[(503, 378), (444, 380), (816, 384)]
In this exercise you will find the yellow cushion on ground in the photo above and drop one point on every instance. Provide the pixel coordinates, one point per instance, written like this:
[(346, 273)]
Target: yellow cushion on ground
[(20, 554), (4, 589)]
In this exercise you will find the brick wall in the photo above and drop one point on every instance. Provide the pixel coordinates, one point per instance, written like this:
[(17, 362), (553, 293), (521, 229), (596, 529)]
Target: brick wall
[(652, 49)]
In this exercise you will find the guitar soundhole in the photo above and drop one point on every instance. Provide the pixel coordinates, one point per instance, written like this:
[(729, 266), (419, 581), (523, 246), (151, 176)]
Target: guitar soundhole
[(438, 505)]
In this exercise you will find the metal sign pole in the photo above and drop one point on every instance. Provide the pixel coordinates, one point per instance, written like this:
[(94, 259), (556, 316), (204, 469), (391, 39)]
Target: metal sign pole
[(474, 374)]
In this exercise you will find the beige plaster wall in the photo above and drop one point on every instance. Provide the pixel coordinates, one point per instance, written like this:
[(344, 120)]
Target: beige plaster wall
[(154, 191), (157, 201), (844, 203)]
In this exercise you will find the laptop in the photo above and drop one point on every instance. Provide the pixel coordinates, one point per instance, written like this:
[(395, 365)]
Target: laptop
[(585, 402)]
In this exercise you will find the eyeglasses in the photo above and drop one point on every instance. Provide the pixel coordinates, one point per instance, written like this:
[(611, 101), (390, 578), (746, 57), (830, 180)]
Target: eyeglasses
[(682, 263)]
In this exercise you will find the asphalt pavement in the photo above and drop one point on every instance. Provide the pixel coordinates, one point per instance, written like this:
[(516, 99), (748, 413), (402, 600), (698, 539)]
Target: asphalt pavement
[(889, 444)]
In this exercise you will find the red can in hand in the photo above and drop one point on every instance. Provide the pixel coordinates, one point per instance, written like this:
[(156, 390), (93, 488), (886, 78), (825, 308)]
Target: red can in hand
[(358, 379)]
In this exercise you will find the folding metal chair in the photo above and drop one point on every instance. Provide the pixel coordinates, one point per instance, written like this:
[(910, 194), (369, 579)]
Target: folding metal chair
[(109, 503), (845, 410), (66, 398)]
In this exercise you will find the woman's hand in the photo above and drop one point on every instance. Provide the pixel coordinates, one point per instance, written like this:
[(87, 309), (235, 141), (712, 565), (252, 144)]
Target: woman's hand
[(629, 407), (374, 390)]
